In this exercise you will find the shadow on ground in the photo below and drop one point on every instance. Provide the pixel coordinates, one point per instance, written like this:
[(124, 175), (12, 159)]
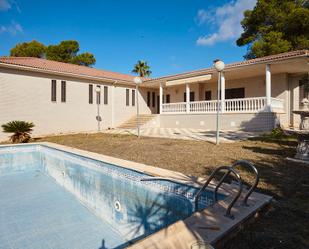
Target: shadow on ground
[(285, 224)]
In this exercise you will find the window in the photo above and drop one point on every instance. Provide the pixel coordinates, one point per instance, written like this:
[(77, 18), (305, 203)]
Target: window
[(148, 98), (153, 99), (207, 95), (90, 94), (98, 96), (63, 91), (133, 97), (234, 93), (127, 97), (168, 99), (192, 96), (105, 95), (54, 90)]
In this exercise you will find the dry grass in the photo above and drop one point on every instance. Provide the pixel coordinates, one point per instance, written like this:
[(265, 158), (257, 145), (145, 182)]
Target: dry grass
[(285, 225)]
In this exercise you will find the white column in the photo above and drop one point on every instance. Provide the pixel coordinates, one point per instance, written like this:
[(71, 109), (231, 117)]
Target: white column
[(268, 88), (160, 98), (222, 92), (187, 98), (113, 103)]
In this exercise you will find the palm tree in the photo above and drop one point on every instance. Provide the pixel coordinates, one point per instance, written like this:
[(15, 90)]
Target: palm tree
[(21, 130), (142, 69)]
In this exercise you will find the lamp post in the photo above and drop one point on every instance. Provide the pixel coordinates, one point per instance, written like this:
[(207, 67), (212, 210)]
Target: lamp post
[(219, 66), (137, 81), (98, 97)]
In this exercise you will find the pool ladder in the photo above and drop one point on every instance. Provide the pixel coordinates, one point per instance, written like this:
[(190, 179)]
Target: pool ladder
[(228, 170)]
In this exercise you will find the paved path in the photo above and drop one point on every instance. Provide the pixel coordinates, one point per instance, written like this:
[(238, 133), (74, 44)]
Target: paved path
[(188, 134)]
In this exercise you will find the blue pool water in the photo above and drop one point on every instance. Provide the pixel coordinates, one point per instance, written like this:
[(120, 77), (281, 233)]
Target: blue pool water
[(55, 199)]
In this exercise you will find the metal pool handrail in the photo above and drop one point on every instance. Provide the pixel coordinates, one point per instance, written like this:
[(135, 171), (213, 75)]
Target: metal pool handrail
[(247, 164), (229, 170)]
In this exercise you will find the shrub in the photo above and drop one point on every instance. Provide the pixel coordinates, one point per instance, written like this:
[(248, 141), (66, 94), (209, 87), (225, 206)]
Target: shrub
[(277, 133), (21, 130)]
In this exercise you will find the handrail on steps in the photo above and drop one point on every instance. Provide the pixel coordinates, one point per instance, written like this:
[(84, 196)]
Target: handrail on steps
[(228, 170)]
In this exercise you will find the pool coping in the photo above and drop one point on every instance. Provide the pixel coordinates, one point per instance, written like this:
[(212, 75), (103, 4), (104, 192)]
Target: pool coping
[(208, 226)]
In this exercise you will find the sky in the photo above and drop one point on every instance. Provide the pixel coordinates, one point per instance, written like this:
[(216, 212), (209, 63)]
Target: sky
[(173, 36)]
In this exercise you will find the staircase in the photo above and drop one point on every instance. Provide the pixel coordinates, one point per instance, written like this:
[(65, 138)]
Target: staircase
[(132, 122)]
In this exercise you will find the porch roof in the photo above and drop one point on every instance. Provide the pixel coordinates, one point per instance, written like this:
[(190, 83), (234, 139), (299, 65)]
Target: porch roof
[(290, 62), (195, 79)]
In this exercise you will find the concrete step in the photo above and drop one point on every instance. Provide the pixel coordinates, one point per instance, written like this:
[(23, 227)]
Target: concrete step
[(132, 122)]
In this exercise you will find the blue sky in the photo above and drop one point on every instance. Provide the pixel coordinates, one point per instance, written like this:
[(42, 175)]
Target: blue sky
[(171, 35)]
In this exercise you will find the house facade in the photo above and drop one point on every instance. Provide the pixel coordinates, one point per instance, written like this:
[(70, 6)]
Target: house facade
[(65, 98)]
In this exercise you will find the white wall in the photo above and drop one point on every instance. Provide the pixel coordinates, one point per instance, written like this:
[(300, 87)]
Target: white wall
[(296, 96), (122, 112), (262, 121), (177, 92), (27, 96)]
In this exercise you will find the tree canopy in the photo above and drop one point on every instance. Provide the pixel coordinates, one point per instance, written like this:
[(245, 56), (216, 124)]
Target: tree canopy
[(65, 51), (142, 69), (275, 26), (29, 49)]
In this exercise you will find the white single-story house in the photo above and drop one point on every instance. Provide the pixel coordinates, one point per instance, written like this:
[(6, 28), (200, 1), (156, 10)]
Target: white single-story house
[(64, 98)]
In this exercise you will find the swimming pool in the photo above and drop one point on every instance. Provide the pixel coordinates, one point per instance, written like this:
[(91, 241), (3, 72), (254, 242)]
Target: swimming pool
[(52, 198)]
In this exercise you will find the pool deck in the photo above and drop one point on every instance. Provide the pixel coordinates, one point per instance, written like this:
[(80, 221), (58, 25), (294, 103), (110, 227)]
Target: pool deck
[(36, 212)]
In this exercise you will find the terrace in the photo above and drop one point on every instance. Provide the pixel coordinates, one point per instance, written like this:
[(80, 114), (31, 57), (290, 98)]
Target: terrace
[(242, 92)]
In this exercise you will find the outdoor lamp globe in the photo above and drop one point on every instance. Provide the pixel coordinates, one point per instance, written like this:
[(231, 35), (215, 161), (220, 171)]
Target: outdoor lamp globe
[(137, 80), (98, 89), (219, 65)]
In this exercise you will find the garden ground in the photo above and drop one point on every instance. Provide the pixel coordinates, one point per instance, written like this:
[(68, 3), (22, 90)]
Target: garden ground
[(283, 225)]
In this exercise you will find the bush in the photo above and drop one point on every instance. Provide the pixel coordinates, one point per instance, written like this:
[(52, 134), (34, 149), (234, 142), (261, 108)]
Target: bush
[(21, 130), (277, 133)]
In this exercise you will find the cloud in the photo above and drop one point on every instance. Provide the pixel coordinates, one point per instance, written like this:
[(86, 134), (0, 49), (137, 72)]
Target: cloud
[(13, 28), (226, 19), (6, 5), (203, 17)]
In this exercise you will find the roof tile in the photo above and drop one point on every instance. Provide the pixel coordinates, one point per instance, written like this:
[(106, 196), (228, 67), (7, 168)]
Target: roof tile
[(64, 68)]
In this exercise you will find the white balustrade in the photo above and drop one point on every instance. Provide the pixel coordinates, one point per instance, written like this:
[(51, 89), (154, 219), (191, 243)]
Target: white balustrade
[(244, 105), (203, 106), (174, 107)]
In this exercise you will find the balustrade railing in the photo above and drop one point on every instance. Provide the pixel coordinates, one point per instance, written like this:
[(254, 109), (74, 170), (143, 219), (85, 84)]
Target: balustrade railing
[(174, 107), (248, 105)]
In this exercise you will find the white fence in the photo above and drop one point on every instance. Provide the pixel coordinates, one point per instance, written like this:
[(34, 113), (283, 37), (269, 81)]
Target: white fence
[(245, 105), (174, 107)]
